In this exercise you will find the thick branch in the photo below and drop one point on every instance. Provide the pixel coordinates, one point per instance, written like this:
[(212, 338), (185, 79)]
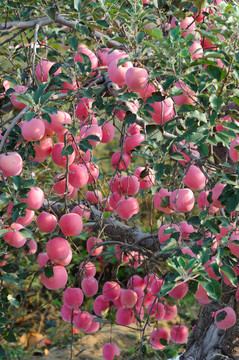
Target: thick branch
[(113, 228), (24, 25)]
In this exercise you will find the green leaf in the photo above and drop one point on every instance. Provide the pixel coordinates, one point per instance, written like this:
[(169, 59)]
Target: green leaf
[(46, 117), (5, 198), (215, 102), (177, 157), (51, 12), (157, 32), (26, 233), (85, 145), (46, 96), (168, 82), (73, 42), (67, 150), (17, 182), (10, 268), (163, 341), (50, 110), (213, 288), (39, 92), (29, 115), (194, 220), (2, 352), (175, 33), (107, 214), (103, 23), (159, 170), (10, 279), (77, 5), (3, 232), (129, 118), (139, 38), (214, 71), (212, 226), (166, 288), (221, 316), (229, 272), (49, 272), (25, 99), (8, 335)]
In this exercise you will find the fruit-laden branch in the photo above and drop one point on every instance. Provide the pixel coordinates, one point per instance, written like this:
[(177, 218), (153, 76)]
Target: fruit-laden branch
[(24, 25), (114, 229)]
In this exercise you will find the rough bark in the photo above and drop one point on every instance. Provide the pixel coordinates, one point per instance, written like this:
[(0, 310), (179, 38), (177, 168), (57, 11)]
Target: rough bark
[(207, 341)]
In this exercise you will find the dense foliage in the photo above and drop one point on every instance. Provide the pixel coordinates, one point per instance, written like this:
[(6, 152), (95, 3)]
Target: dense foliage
[(119, 148)]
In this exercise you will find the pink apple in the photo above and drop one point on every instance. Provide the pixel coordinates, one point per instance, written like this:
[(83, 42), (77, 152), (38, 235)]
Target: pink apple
[(179, 334), (91, 242), (100, 305), (71, 224), (102, 55), (127, 208), (89, 269), (161, 201), (14, 237), (42, 70), (117, 73), (94, 197), (83, 109), (132, 141), (145, 180), (129, 185), (111, 290), (81, 210), (228, 318), (182, 200), (110, 350), (83, 320), (170, 311), (33, 130), (19, 89), (57, 122), (195, 179), (89, 286), (84, 50), (196, 50), (136, 78), (128, 298), (10, 163), (108, 132), (57, 281), (187, 97), (58, 249), (156, 336), (73, 297), (179, 291), (120, 161), (113, 55), (78, 176), (35, 198), (30, 247), (162, 236), (46, 222), (124, 316), (59, 159)]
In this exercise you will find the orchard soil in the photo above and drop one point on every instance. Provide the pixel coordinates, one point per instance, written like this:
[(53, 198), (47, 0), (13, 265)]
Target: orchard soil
[(85, 347)]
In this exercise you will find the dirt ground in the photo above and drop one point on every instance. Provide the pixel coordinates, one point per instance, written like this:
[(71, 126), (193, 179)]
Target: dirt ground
[(89, 347)]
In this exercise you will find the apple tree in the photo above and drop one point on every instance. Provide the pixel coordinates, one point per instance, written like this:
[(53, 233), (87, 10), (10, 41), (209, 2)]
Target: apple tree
[(119, 147)]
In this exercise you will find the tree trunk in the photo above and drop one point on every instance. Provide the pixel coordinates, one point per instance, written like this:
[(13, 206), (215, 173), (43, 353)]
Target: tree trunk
[(207, 341)]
